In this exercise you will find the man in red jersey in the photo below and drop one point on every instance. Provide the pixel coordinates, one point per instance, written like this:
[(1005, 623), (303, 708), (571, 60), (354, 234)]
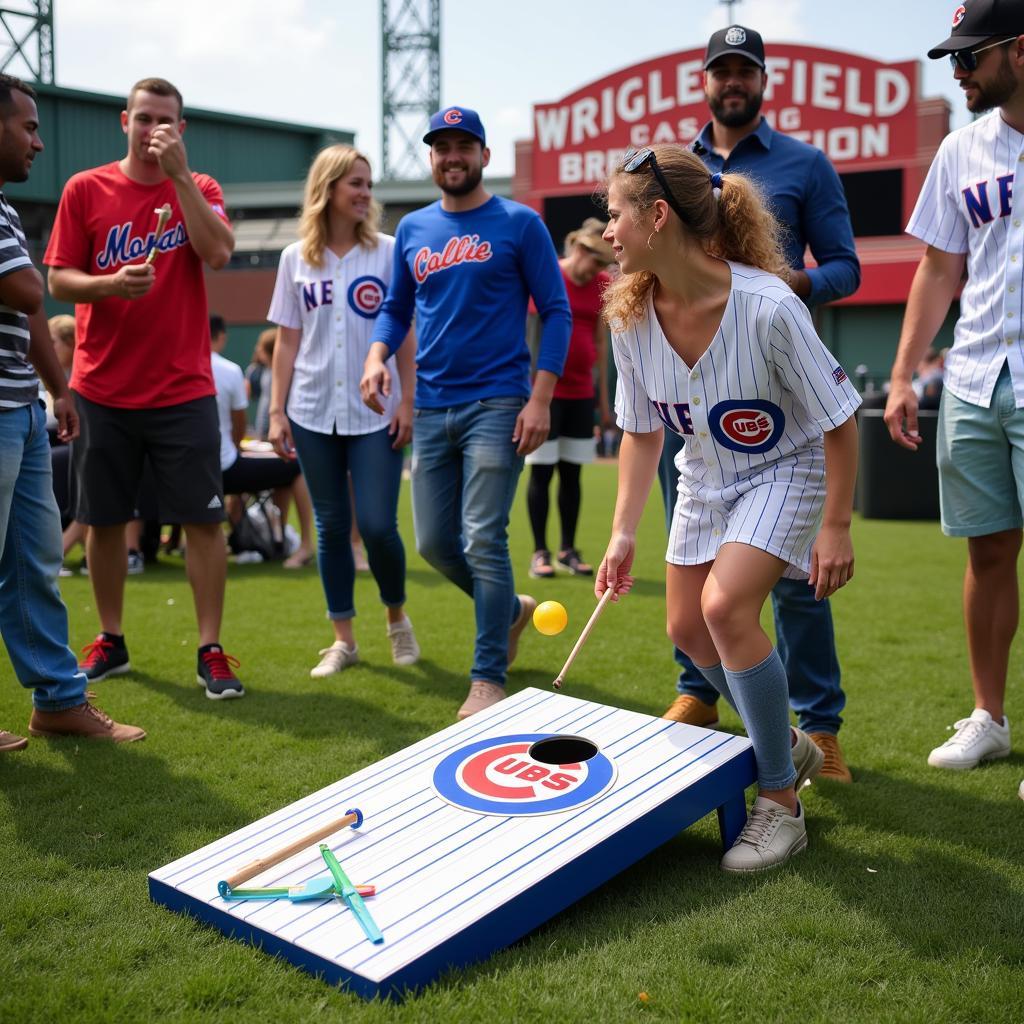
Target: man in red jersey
[(142, 375)]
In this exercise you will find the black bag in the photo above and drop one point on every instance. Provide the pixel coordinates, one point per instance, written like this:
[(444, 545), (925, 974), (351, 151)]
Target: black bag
[(259, 530)]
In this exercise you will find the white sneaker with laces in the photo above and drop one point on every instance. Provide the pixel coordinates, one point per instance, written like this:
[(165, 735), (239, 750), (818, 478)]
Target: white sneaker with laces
[(335, 658), (404, 649), (770, 837), (978, 738)]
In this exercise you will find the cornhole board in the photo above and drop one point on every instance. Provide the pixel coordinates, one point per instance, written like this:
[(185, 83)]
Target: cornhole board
[(470, 841)]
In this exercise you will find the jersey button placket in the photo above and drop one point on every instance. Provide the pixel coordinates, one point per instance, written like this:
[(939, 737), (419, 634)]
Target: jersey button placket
[(1014, 280)]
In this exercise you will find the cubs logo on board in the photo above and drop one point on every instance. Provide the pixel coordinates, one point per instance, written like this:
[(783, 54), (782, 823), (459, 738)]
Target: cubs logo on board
[(366, 295), (958, 15), (498, 776), (747, 426)]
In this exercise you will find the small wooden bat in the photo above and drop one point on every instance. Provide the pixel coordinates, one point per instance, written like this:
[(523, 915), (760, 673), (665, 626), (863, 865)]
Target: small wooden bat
[(163, 215), (251, 870)]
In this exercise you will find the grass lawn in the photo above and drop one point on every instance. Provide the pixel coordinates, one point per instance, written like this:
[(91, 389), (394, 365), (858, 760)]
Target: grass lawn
[(907, 906)]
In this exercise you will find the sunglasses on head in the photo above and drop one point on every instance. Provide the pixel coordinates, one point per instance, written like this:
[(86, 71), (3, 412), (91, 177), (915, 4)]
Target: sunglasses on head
[(634, 161), (967, 60)]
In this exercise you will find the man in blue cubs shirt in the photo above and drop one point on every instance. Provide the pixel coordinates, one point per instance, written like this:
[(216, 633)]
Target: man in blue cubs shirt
[(468, 265)]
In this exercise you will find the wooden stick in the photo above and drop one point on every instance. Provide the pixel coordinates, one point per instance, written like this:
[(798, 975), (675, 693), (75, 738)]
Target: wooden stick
[(163, 215), (353, 817), (605, 598)]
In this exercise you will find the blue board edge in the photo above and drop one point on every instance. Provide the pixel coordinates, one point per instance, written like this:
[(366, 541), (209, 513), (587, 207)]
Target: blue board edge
[(514, 919)]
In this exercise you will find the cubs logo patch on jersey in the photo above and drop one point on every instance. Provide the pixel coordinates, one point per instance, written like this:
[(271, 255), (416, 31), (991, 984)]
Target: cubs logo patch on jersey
[(498, 776), (366, 296), (747, 426)]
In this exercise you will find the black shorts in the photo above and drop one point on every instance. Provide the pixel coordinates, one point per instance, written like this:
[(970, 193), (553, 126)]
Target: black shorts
[(249, 474), (572, 417), (182, 445), (572, 434)]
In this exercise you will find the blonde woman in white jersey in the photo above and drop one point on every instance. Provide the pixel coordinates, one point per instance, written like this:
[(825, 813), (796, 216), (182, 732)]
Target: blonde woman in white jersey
[(710, 343), (329, 290)]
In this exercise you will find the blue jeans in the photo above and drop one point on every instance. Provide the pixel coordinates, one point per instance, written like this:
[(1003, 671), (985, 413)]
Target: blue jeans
[(464, 475), (376, 468), (33, 619), (805, 637)]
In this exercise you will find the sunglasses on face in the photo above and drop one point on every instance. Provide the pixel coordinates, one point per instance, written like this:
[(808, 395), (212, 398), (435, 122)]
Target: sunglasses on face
[(635, 161), (967, 60)]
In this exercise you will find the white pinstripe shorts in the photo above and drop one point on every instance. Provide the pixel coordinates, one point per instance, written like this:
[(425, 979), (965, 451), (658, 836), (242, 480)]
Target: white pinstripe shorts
[(778, 509)]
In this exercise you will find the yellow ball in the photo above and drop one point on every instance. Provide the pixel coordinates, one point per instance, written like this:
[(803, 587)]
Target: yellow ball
[(550, 618)]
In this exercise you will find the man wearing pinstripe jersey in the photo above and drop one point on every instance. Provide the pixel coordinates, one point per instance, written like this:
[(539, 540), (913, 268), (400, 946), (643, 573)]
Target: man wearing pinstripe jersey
[(966, 217)]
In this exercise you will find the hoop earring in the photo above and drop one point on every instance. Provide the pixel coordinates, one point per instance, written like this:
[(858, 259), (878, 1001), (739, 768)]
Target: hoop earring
[(649, 237)]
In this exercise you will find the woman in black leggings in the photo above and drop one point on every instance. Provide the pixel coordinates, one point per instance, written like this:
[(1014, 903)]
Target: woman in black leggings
[(571, 442)]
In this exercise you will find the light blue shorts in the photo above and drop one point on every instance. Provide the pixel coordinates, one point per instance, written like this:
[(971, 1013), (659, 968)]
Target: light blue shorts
[(980, 453)]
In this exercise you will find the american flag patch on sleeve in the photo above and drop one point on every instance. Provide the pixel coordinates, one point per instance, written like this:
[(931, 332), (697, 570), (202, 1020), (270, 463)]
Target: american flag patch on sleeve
[(839, 375)]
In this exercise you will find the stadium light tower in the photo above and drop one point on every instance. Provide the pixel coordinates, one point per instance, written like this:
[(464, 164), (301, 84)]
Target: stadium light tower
[(730, 4), (410, 62), (26, 35)]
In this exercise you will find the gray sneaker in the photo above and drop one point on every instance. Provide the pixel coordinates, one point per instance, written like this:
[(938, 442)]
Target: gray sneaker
[(404, 649), (770, 837), (482, 694), (808, 758), (335, 658)]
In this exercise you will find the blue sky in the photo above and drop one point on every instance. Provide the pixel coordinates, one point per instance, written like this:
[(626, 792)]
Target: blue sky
[(318, 61)]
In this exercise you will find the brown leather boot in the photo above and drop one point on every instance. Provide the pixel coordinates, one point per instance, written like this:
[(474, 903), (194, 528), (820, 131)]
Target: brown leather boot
[(9, 741), (692, 710), (84, 720), (835, 764)]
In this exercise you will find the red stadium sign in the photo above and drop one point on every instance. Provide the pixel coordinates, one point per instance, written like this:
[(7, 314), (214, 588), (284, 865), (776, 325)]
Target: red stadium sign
[(861, 112)]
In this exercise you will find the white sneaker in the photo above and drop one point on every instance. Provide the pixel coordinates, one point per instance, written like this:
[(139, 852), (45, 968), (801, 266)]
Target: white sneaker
[(404, 649), (770, 837), (978, 738), (335, 658)]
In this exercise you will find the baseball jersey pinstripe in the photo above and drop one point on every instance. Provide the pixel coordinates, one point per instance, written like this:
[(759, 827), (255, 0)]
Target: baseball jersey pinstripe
[(753, 410), (966, 206), (335, 307)]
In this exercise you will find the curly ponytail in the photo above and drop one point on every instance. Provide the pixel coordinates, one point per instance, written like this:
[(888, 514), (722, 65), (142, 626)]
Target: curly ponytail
[(733, 225)]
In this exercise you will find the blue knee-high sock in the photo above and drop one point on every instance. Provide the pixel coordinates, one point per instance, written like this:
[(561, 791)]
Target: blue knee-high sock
[(715, 675), (762, 697)]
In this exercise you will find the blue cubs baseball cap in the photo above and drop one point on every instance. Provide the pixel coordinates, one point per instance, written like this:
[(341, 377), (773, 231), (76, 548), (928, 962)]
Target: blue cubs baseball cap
[(459, 119)]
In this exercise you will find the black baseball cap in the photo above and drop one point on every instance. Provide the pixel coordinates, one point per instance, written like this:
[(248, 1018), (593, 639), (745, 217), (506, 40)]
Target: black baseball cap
[(735, 39), (975, 21), (459, 119)]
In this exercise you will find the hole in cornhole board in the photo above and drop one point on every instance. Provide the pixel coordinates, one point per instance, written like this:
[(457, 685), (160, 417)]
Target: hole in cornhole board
[(562, 750)]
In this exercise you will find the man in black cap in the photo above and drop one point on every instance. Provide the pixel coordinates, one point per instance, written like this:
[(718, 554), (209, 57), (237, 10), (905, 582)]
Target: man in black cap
[(967, 216), (806, 195)]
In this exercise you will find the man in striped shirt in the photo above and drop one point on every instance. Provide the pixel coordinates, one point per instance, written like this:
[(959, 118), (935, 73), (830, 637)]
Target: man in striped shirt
[(33, 619), (968, 216)]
